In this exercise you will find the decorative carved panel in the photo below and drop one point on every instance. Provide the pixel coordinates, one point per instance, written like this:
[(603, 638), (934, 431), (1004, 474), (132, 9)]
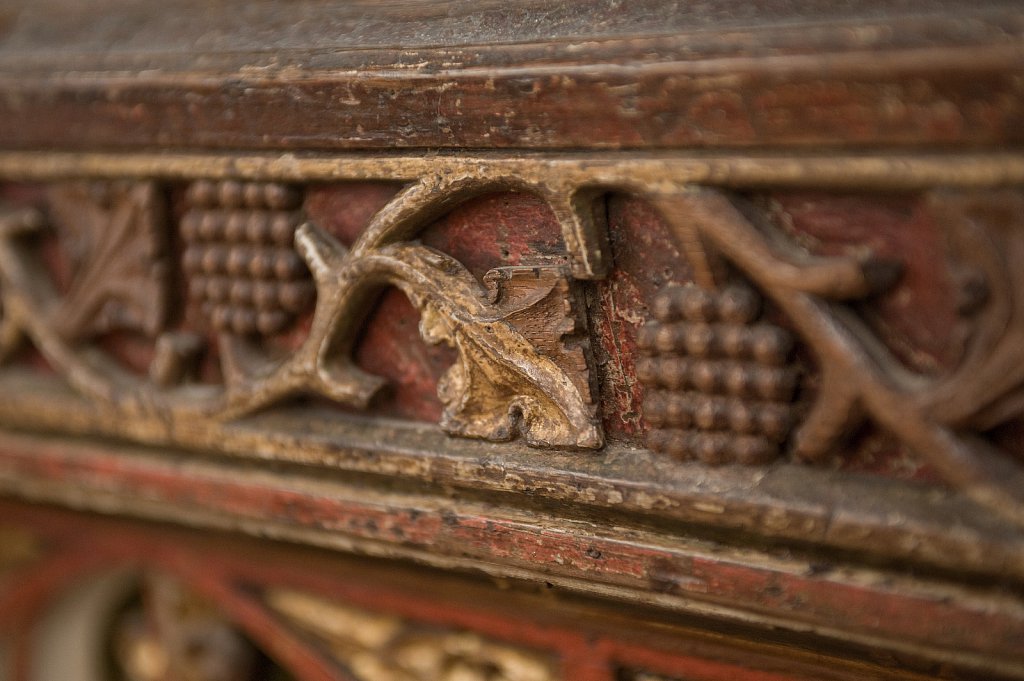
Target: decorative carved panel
[(250, 267), (721, 377)]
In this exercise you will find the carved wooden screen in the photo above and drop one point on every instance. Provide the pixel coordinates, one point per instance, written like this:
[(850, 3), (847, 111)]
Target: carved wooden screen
[(625, 350)]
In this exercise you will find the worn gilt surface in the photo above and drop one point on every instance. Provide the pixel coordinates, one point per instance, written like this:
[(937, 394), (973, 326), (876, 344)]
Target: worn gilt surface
[(375, 646)]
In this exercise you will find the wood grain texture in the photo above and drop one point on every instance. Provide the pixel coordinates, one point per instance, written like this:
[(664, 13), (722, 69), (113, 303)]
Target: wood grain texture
[(596, 75)]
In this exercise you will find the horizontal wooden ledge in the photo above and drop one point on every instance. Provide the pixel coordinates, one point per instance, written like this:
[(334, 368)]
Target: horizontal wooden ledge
[(978, 627), (934, 93), (646, 171), (881, 520)]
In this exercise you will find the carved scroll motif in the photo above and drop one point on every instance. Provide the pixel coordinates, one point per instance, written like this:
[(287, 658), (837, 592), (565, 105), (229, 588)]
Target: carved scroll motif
[(522, 366), (941, 418), (376, 646)]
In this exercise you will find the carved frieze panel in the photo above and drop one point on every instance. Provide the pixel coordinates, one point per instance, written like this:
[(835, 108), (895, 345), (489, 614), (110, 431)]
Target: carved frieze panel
[(855, 375), (731, 327)]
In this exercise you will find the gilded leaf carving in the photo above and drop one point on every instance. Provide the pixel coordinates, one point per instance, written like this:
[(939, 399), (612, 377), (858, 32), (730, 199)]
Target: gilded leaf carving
[(502, 384)]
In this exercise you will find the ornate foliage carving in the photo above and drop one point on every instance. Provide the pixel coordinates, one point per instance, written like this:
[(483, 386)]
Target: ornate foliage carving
[(721, 386), (522, 367), (501, 382)]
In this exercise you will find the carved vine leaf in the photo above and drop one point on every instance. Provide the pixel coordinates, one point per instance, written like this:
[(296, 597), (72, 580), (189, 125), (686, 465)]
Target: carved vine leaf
[(501, 382), (114, 235)]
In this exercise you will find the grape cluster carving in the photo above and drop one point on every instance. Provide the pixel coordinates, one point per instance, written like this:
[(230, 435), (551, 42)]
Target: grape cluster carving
[(719, 385)]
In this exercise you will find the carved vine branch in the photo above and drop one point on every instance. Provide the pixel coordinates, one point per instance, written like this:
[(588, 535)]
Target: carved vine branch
[(499, 380), (859, 377)]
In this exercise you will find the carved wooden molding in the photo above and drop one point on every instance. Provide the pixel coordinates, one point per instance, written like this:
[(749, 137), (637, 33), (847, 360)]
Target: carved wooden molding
[(653, 76)]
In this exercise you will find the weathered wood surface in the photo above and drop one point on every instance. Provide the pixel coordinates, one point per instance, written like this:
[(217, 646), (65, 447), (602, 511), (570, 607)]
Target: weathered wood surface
[(203, 201)]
